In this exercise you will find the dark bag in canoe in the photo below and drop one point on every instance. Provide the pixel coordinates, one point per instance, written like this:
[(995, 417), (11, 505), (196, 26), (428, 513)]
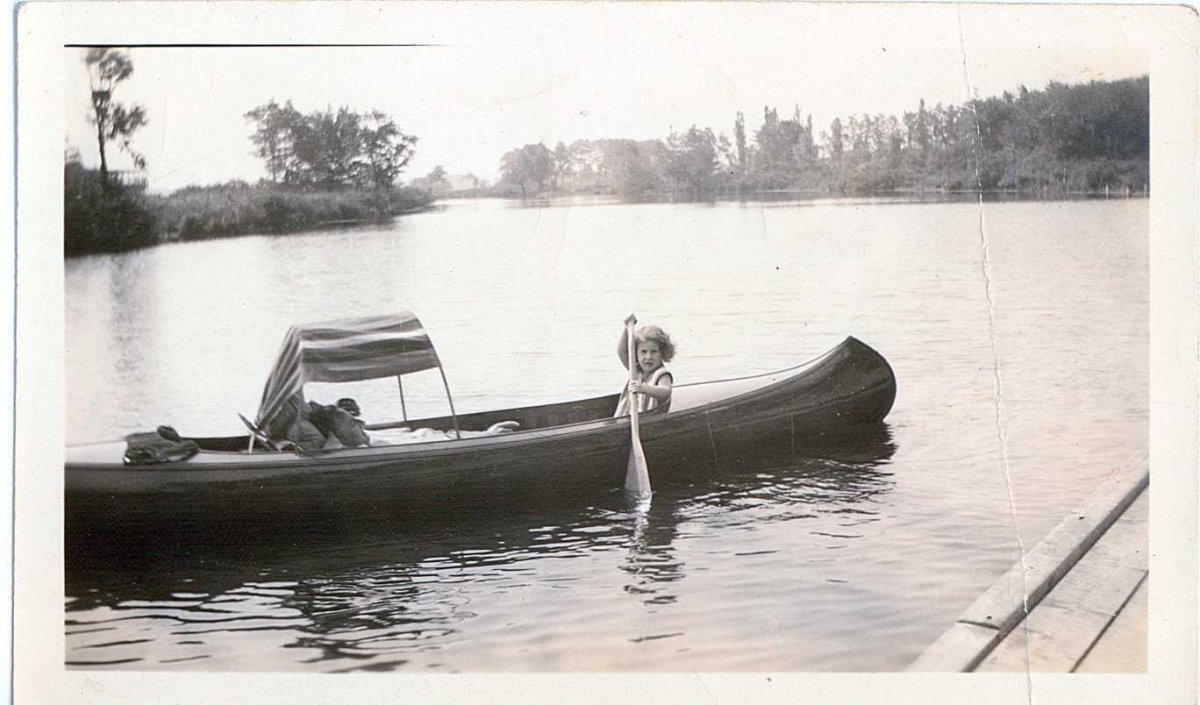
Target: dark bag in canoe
[(161, 446)]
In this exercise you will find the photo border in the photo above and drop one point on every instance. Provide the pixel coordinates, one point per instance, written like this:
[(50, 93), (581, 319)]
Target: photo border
[(1168, 32)]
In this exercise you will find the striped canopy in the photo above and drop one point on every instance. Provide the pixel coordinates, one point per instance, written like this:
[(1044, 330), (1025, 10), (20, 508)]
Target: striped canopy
[(348, 350)]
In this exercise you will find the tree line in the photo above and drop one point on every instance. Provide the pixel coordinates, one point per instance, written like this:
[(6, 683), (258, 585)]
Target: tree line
[(1060, 140), (325, 168)]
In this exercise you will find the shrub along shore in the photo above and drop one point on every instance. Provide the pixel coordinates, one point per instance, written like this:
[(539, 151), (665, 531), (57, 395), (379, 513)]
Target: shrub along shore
[(111, 217)]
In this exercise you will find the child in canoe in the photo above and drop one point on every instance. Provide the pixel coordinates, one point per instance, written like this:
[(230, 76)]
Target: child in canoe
[(652, 349)]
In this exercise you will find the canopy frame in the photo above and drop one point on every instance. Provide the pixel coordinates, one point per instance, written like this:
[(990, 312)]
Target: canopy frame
[(403, 406), (346, 350), (449, 398)]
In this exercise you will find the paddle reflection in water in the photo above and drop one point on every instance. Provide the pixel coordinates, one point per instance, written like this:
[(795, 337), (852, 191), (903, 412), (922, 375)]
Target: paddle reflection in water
[(490, 588), (770, 488)]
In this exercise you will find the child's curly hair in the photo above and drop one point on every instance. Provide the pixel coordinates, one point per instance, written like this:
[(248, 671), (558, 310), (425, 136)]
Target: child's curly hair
[(657, 335)]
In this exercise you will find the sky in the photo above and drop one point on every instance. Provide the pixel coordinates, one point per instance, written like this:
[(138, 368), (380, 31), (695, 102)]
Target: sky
[(491, 79)]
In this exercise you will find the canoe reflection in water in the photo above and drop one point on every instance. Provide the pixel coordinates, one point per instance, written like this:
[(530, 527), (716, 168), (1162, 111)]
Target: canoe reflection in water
[(360, 593)]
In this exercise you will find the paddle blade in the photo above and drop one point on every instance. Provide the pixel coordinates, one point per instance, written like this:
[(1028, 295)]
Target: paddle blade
[(637, 474)]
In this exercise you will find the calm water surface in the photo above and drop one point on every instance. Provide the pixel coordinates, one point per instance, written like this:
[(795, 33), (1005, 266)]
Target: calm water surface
[(855, 560)]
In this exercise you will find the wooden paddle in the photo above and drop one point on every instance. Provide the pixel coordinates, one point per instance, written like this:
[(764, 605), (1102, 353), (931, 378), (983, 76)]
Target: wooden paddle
[(637, 474)]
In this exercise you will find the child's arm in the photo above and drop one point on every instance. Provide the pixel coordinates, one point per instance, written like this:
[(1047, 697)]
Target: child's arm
[(660, 391)]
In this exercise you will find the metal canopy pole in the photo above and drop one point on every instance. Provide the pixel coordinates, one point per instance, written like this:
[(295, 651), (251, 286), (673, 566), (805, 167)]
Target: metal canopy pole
[(453, 415), (403, 408)]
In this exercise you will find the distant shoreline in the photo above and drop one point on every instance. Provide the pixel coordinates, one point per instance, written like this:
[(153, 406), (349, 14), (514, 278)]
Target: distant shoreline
[(210, 213), (819, 194), (1116, 190)]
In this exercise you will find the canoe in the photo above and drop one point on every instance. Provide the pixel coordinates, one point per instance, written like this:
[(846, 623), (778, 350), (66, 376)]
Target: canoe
[(557, 446)]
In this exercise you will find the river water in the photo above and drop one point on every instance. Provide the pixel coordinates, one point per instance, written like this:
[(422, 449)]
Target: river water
[(1018, 333)]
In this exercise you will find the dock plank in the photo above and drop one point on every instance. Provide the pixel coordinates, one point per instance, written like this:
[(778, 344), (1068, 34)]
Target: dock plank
[(1052, 640), (1006, 604), (1065, 625), (1117, 565), (1122, 647), (1026, 583), (957, 649)]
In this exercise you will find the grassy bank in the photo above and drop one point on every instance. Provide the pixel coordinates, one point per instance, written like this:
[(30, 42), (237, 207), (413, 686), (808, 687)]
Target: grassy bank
[(196, 213), (113, 218), (103, 218)]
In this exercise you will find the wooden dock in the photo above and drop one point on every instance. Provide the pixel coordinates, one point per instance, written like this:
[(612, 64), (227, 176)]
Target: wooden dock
[(1076, 602)]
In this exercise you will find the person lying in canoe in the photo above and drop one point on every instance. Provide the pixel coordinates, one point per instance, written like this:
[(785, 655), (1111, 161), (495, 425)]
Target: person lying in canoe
[(343, 429), (653, 348), (339, 424)]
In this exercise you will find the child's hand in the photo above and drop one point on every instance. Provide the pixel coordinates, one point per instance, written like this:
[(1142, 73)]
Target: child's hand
[(635, 387)]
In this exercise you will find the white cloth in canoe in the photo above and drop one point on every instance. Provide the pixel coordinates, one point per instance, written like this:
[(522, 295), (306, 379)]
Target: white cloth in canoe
[(400, 436)]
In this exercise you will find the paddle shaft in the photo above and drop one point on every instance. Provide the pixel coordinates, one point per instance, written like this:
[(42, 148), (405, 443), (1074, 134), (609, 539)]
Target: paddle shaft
[(637, 473)]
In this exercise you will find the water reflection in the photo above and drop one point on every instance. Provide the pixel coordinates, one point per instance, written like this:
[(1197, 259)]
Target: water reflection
[(779, 487), (373, 599), (651, 561)]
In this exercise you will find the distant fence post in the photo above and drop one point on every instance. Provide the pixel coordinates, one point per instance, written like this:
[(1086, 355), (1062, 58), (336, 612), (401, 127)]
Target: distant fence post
[(130, 178)]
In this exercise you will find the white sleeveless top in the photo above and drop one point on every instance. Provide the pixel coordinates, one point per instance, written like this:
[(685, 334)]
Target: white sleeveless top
[(645, 401)]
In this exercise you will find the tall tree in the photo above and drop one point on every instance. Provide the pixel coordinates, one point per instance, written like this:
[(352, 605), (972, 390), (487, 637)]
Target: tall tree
[(529, 166), (810, 148), (632, 169), (564, 164), (386, 150), (692, 159), (331, 147), (921, 129), (837, 145), (775, 163), (274, 136), (739, 136), (114, 121)]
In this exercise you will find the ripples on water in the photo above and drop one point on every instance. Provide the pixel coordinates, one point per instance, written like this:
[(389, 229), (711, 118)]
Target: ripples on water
[(851, 560)]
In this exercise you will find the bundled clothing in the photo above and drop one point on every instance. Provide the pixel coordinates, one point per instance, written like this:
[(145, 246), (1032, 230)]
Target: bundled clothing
[(163, 445)]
